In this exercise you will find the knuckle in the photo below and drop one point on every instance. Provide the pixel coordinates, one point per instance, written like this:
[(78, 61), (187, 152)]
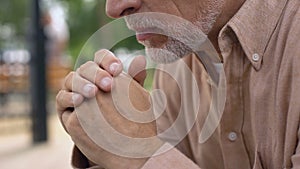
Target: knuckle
[(59, 107), (85, 66), (69, 76), (68, 81), (102, 54), (89, 63), (100, 73), (59, 97), (64, 99), (82, 67)]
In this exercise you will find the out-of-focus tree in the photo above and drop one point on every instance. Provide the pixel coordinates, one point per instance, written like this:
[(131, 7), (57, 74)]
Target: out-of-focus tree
[(84, 17), (14, 16)]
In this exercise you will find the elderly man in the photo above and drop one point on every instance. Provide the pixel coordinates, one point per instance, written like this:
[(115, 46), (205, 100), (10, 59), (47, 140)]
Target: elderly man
[(258, 42)]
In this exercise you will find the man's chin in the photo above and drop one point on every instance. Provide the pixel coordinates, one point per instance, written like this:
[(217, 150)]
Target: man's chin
[(161, 56), (157, 51), (166, 52)]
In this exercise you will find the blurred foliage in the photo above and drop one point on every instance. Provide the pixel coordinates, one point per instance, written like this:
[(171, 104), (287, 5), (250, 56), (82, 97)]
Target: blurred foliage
[(14, 16), (84, 17)]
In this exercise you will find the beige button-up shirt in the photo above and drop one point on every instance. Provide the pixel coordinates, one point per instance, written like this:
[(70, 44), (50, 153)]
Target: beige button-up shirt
[(259, 127)]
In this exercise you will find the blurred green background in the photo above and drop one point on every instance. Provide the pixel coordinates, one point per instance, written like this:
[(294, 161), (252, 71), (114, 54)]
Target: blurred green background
[(84, 17)]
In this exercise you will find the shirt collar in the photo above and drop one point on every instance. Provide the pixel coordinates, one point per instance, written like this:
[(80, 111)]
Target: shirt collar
[(253, 26)]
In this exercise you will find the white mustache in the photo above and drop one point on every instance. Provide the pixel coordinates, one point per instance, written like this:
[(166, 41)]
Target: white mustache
[(168, 25)]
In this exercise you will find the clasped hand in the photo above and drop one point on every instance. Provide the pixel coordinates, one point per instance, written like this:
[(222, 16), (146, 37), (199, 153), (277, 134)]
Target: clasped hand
[(95, 80)]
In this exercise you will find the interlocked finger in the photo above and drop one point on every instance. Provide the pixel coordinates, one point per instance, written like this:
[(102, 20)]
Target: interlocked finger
[(94, 74), (75, 83), (108, 61)]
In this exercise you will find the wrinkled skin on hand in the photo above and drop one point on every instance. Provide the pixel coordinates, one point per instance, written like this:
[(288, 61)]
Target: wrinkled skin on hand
[(139, 99)]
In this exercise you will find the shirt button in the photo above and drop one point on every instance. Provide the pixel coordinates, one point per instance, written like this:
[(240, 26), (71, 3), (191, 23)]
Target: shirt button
[(232, 136), (255, 57)]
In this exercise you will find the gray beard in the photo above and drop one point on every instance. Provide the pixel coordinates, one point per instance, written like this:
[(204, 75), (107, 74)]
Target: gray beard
[(170, 52), (189, 35), (174, 49)]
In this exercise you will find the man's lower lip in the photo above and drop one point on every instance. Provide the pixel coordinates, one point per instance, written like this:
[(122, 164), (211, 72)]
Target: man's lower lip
[(143, 36)]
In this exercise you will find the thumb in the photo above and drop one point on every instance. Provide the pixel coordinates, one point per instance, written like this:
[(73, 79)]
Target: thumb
[(137, 69)]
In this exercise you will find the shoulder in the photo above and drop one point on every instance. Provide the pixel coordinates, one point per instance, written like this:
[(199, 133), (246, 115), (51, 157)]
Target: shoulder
[(290, 21), (288, 32)]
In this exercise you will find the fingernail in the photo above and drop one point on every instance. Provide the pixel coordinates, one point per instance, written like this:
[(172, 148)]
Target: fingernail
[(88, 88), (114, 67), (75, 98), (106, 82)]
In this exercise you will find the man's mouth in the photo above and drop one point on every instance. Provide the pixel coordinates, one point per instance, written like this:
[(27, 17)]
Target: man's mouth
[(149, 36), (141, 37), (144, 34)]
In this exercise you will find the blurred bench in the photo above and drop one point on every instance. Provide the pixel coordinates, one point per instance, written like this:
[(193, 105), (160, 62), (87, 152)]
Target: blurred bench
[(15, 77), (55, 76)]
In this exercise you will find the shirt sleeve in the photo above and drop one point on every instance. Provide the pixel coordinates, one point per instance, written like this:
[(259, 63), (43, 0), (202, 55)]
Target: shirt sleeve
[(171, 159)]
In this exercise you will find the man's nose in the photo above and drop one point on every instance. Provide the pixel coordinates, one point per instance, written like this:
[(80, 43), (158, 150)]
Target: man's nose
[(119, 8)]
